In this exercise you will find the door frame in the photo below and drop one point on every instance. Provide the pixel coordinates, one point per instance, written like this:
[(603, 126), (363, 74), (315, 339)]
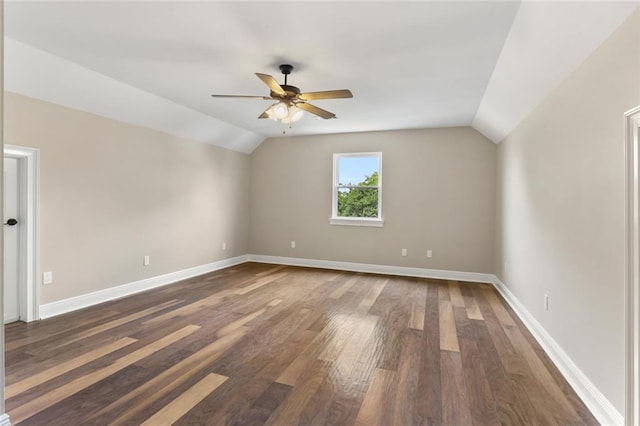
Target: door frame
[(29, 257), (632, 260)]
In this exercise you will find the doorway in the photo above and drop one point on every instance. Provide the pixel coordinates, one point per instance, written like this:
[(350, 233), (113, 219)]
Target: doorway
[(21, 242), (632, 293)]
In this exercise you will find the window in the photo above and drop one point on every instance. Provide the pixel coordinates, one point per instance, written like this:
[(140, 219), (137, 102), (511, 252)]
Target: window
[(357, 189)]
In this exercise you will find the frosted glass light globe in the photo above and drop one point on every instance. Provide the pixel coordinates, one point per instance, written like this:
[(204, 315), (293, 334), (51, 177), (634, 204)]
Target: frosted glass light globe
[(280, 110)]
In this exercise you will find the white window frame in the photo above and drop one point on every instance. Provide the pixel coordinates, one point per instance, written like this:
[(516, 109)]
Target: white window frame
[(355, 221)]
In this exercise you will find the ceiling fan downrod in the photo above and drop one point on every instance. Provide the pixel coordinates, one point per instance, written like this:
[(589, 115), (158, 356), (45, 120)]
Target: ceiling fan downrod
[(286, 70)]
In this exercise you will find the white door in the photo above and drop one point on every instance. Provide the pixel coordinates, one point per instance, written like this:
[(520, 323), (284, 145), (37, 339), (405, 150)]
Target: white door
[(11, 241)]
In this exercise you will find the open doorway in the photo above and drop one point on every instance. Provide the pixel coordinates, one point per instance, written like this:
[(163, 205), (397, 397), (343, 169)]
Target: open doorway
[(21, 279), (632, 294)]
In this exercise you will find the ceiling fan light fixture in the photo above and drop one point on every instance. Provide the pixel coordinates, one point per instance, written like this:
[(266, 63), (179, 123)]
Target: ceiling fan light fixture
[(295, 114), (280, 110)]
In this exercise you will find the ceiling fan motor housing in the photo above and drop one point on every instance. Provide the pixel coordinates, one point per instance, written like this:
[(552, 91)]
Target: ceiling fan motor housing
[(291, 91)]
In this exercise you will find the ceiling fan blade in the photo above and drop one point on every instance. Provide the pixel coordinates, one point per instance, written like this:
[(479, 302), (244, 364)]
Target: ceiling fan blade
[(242, 96), (327, 94), (272, 83), (264, 114), (315, 110)]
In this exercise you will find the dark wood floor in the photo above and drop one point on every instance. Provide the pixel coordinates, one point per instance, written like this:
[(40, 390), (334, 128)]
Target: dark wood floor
[(265, 344)]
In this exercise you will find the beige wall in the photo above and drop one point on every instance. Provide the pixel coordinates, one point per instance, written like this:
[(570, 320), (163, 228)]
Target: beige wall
[(438, 193), (560, 210), (113, 192)]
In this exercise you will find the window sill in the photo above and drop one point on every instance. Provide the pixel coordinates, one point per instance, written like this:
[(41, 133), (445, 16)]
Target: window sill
[(356, 221)]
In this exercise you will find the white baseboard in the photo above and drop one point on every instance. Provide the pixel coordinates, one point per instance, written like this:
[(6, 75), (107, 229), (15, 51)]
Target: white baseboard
[(78, 302), (597, 403), (85, 300), (374, 269), (4, 420)]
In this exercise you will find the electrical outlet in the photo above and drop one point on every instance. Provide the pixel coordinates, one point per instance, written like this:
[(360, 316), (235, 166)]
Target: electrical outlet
[(546, 302), (429, 254), (146, 260), (224, 246), (47, 278), (293, 244), (404, 252)]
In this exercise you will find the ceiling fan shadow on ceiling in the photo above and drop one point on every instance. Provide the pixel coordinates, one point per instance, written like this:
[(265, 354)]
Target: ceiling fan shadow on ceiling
[(290, 102)]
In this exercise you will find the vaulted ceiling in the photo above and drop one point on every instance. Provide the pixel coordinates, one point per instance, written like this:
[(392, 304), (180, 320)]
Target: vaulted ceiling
[(409, 65)]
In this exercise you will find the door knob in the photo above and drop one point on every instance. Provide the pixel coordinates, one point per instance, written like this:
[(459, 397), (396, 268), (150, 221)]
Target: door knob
[(11, 222)]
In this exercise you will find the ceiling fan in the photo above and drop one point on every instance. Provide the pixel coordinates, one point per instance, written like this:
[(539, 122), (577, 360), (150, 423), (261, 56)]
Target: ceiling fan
[(290, 102)]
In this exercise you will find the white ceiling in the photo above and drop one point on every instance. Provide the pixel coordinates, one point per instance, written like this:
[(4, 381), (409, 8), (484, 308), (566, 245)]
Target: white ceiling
[(409, 65)]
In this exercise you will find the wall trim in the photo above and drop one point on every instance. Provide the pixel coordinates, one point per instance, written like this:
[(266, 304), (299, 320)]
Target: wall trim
[(632, 266), (29, 237), (374, 269), (597, 403), (4, 420), (85, 300)]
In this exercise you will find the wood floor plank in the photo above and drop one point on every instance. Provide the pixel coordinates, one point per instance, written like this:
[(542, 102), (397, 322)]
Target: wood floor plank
[(454, 294), (48, 331), (455, 403), (507, 408), (343, 329), (407, 388), (473, 312), (259, 283), (270, 271), (428, 409), (294, 346), (265, 405), (110, 325), (482, 405), (448, 333), (372, 410), (191, 308), (373, 294), (291, 374), (340, 291), (350, 375), (292, 407), (418, 308), (347, 358), (43, 376), (60, 393), (185, 402), (240, 322), (498, 308), (170, 378)]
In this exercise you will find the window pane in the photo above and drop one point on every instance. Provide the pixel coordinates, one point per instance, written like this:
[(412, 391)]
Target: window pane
[(358, 202), (357, 171)]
